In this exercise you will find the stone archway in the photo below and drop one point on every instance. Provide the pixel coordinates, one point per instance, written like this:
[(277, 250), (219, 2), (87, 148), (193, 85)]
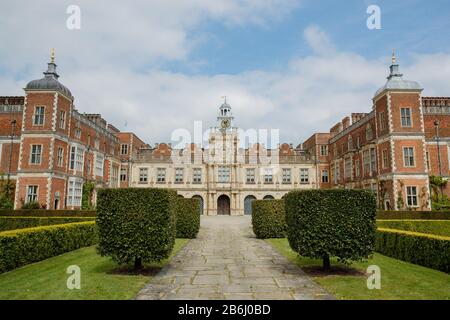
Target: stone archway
[(248, 204), (201, 203), (223, 205), (269, 197)]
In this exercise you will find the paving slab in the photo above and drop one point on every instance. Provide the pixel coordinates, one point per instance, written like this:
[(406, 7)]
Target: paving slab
[(226, 261)]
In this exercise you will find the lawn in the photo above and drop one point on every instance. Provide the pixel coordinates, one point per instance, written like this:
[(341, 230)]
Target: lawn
[(399, 280), (437, 227), (100, 278)]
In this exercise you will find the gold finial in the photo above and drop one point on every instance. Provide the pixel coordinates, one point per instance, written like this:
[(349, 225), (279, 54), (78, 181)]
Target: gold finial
[(394, 58), (52, 55)]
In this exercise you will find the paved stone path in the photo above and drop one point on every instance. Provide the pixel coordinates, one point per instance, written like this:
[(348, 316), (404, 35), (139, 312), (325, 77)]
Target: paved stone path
[(226, 261)]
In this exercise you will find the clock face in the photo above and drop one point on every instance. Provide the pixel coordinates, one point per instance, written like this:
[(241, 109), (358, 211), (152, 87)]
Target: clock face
[(225, 123)]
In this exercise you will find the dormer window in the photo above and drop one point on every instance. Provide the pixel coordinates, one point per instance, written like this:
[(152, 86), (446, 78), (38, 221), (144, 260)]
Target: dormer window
[(369, 132)]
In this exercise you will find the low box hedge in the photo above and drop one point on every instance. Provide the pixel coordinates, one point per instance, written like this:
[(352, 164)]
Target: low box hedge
[(24, 246), (268, 219), (421, 215), (436, 227), (188, 218), (136, 224), (427, 250), (47, 213), (326, 223), (12, 222)]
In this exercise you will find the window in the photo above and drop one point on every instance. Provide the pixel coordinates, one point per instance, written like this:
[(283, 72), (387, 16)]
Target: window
[(36, 153), (408, 156), (406, 117), (304, 175), (78, 132), (350, 143), (411, 196), (348, 168), (373, 160), (324, 150), (75, 192), (268, 175), (286, 175), (38, 117), (161, 175), (143, 175), (60, 157), (366, 162), (97, 143), (32, 194), (335, 151), (99, 159), (337, 173), (179, 175), (428, 159), (358, 142), (369, 132), (197, 175), (123, 174), (357, 168), (382, 121), (224, 174), (250, 175), (88, 167), (385, 159), (114, 176), (124, 149), (62, 119), (324, 176), (76, 158)]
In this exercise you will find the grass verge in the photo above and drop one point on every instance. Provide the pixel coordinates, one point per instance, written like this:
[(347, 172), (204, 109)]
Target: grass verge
[(101, 278), (399, 280)]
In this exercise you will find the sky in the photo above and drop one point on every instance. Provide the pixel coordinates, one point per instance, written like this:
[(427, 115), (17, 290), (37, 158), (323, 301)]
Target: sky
[(153, 67)]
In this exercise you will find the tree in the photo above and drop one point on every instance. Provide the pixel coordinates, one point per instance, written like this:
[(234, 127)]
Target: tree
[(331, 223)]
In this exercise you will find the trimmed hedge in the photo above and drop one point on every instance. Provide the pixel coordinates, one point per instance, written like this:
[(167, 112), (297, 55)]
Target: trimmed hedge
[(326, 223), (12, 223), (188, 218), (47, 213), (268, 219), (24, 246), (427, 250), (136, 224), (421, 215), (436, 227)]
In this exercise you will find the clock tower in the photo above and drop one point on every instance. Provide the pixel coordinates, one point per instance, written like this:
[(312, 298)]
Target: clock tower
[(225, 117)]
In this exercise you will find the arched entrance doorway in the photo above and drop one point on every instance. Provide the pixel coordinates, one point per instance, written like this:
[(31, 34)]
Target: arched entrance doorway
[(248, 204), (200, 199), (268, 197), (223, 205)]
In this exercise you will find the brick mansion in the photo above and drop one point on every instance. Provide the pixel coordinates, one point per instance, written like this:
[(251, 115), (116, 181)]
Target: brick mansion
[(50, 151)]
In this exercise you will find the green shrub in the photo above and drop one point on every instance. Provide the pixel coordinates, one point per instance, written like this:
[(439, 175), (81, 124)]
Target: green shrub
[(188, 218), (426, 250), (436, 227), (47, 213), (136, 224), (31, 205), (326, 223), (24, 246), (12, 223), (268, 219), (421, 215)]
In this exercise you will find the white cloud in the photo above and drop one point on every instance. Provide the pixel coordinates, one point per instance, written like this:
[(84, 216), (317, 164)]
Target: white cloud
[(309, 95)]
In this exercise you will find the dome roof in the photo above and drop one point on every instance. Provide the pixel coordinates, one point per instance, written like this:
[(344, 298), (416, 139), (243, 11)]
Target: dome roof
[(49, 82), (396, 81)]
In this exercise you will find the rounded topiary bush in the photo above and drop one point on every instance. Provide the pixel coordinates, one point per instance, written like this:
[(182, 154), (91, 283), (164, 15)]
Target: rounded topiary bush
[(136, 224), (188, 218), (331, 223), (268, 219)]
